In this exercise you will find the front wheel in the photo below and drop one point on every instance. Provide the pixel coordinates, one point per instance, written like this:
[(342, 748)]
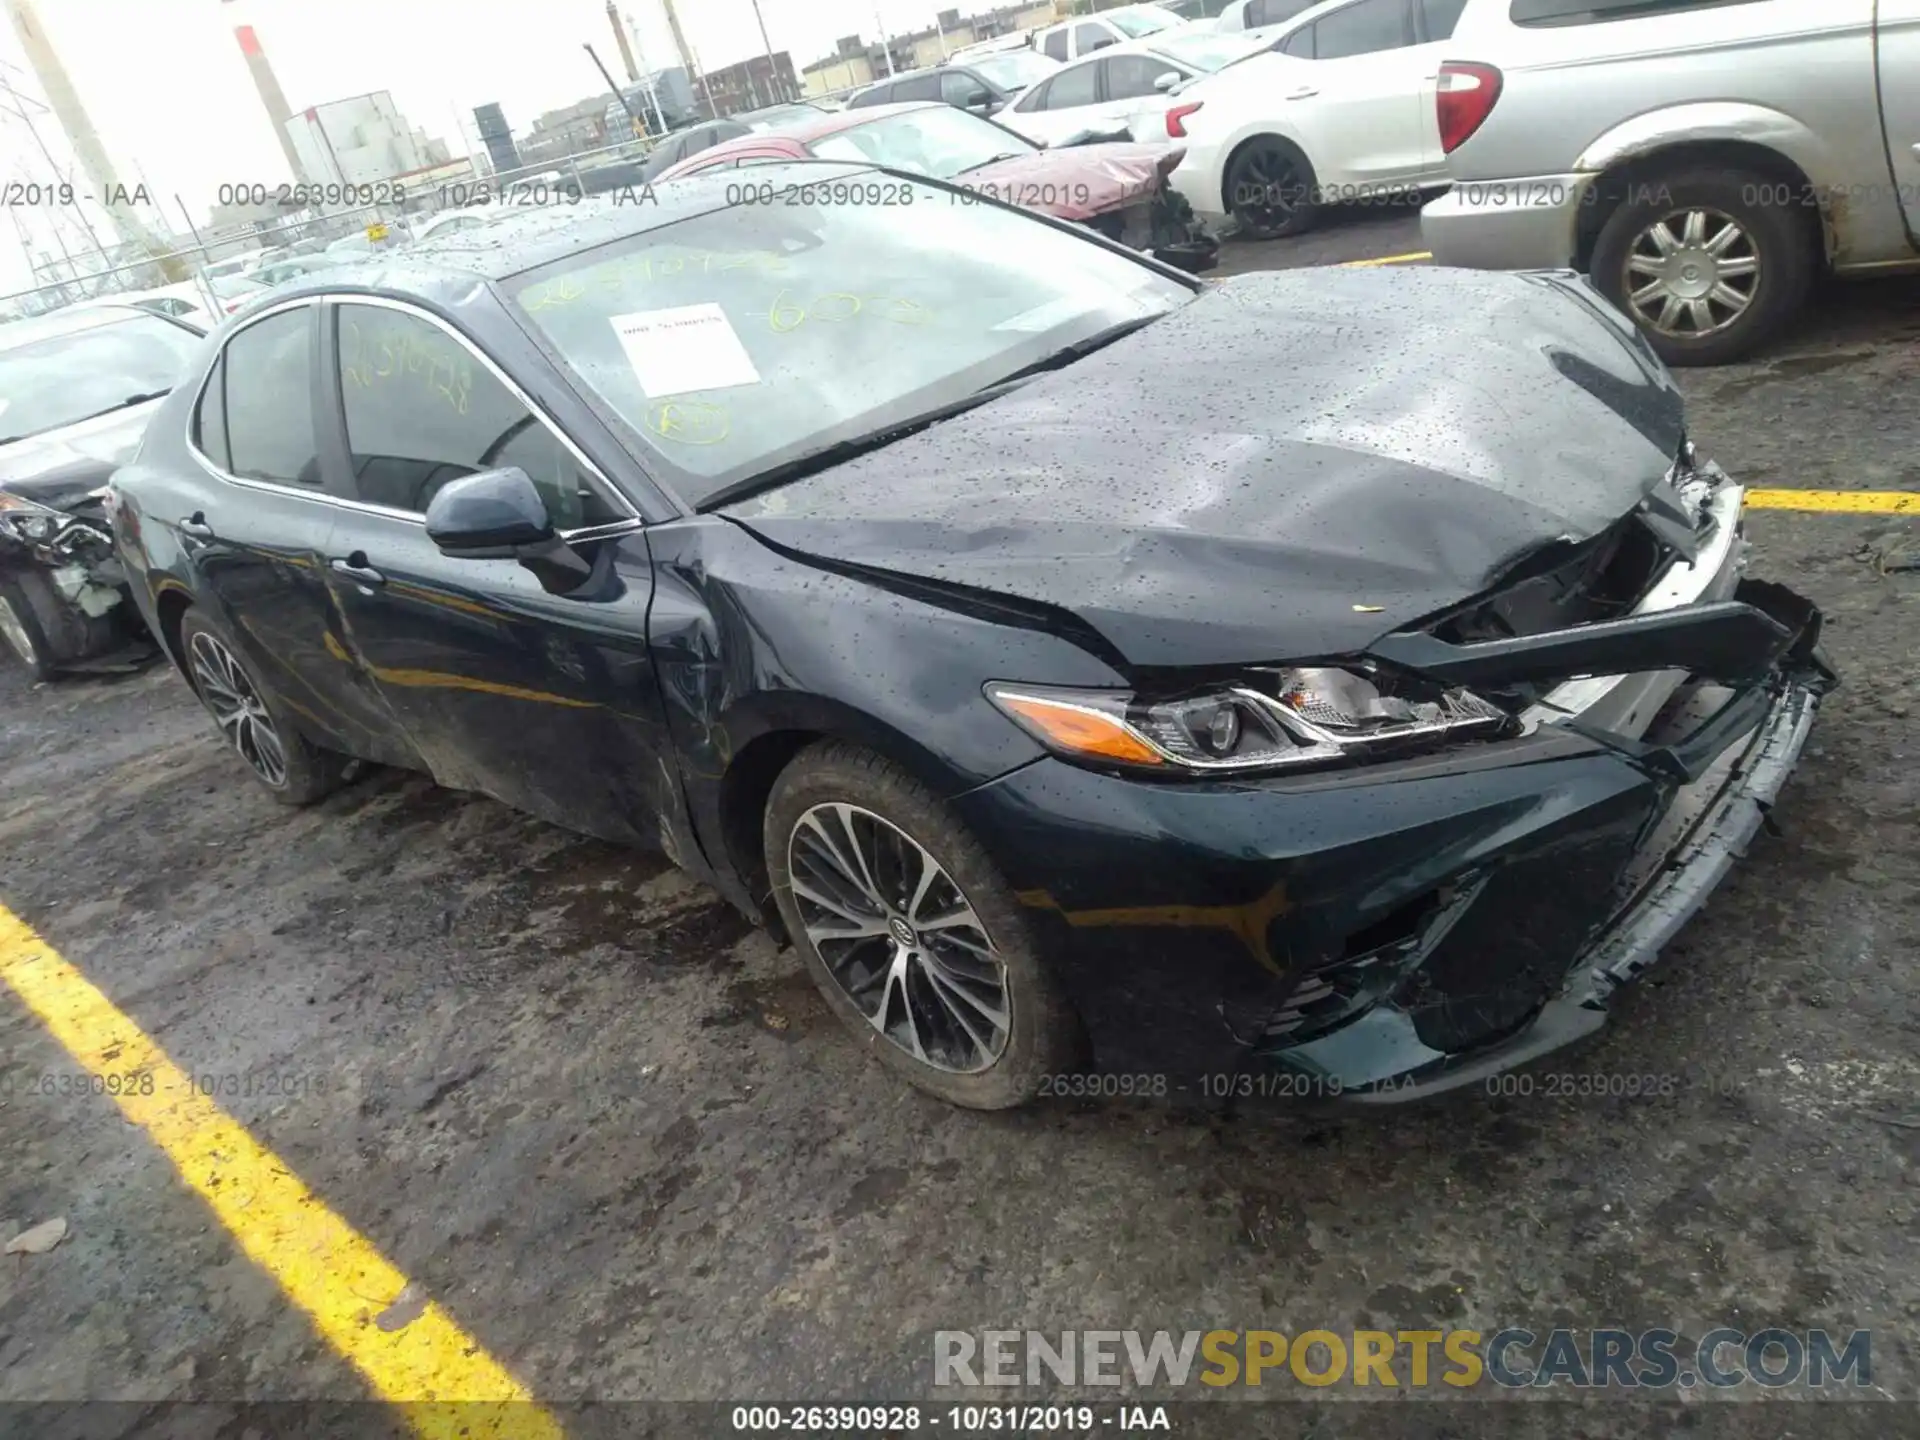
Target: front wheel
[(20, 627), (293, 770), (910, 933), (1271, 190), (1709, 264)]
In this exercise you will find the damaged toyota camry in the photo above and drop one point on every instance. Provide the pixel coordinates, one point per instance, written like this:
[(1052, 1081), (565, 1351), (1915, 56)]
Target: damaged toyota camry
[(1366, 719)]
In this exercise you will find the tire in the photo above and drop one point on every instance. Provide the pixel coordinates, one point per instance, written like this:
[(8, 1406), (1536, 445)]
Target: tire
[(26, 639), (1776, 248), (304, 772), (1274, 170), (979, 1064)]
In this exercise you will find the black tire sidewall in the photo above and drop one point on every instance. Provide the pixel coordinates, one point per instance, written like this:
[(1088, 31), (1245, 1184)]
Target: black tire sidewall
[(1304, 215), (43, 666), (311, 772), (1779, 232), (1044, 1036)]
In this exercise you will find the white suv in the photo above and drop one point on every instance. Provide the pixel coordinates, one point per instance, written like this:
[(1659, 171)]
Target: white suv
[(1088, 33)]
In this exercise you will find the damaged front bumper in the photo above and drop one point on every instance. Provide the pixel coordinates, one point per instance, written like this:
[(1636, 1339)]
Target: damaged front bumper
[(1397, 930)]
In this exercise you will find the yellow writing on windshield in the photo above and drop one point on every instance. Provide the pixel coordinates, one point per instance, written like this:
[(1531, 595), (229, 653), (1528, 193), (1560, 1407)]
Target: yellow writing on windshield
[(399, 351), (788, 315), (617, 276), (689, 422)]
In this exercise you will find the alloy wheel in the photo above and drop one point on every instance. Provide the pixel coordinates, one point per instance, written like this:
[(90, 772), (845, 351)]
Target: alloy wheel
[(900, 938), (18, 637), (237, 708), (1268, 188), (1693, 272)]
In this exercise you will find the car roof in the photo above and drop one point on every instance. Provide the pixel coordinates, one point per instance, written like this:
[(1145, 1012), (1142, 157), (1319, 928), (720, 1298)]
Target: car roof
[(803, 135), (70, 320)]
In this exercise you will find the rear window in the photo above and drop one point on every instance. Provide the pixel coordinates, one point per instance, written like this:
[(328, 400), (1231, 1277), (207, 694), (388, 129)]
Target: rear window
[(1544, 13)]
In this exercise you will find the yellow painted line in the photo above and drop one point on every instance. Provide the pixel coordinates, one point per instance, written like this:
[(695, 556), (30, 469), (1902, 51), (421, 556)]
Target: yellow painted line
[(429, 1366), (1388, 260), (1847, 502)]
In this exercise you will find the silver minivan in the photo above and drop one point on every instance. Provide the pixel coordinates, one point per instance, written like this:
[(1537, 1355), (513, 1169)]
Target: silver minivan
[(1703, 160)]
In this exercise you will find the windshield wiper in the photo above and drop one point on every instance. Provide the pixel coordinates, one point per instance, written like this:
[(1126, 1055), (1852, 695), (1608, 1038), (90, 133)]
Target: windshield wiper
[(842, 451), (995, 160), (140, 399), (1080, 349)]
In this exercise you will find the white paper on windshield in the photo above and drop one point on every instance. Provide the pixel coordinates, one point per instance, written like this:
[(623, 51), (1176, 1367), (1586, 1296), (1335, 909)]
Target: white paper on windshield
[(688, 348)]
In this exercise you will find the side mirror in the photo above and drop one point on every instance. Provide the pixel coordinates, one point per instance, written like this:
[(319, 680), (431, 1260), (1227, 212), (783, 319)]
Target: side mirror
[(1166, 82), (488, 516), (980, 100)]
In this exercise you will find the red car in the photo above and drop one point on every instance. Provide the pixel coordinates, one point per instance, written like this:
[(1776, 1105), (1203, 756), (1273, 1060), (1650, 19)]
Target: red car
[(1117, 188)]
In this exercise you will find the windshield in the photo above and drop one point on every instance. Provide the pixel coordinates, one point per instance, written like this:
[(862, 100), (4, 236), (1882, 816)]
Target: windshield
[(939, 141), (1015, 70), (63, 379), (736, 340), (1206, 51), (778, 115), (1137, 23)]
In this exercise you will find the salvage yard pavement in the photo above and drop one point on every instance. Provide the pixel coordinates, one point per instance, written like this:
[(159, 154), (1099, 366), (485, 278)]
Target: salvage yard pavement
[(609, 1136)]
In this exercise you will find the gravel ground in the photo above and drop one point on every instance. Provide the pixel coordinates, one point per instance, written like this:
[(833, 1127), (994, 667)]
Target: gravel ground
[(614, 1131)]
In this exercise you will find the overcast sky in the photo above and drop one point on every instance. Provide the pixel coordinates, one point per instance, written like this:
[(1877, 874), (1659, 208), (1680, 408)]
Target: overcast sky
[(171, 98)]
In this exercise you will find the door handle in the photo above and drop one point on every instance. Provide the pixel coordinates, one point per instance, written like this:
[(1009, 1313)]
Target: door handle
[(195, 527), (355, 568), (1305, 92)]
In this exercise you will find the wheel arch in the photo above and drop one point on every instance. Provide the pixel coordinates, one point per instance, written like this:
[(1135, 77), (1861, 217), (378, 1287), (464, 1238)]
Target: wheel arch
[(171, 602), (1644, 162)]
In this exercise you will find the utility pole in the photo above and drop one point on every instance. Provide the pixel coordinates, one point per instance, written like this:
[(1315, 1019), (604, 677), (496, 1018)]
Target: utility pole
[(886, 42), (773, 70)]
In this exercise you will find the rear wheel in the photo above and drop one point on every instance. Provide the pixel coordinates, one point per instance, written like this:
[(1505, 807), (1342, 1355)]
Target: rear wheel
[(1271, 189), (293, 770), (910, 932), (1709, 264), (21, 629)]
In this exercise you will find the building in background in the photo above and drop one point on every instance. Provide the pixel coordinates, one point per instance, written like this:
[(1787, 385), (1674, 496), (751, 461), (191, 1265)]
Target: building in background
[(360, 141), (497, 137), (753, 84), (670, 87), (855, 62)]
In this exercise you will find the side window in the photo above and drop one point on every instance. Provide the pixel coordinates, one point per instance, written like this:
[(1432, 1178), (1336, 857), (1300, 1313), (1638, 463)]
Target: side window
[(919, 87), (269, 401), (1034, 99), (1361, 29), (959, 88), (1073, 87), (421, 411), (1440, 16), (878, 95), (1129, 77), (210, 417), (1088, 38), (1299, 44), (1276, 12), (1596, 12), (698, 140), (1055, 45)]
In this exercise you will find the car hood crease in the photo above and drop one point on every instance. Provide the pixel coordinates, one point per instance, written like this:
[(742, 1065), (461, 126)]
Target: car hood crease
[(1290, 466)]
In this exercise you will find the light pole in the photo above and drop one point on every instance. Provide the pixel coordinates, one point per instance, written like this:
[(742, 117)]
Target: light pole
[(773, 70)]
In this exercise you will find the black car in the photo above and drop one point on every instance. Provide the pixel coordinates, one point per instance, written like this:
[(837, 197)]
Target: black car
[(984, 85), (1340, 678), (76, 390)]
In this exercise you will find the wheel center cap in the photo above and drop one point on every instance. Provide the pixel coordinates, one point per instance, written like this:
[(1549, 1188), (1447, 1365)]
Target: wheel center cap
[(903, 932), (1691, 274)]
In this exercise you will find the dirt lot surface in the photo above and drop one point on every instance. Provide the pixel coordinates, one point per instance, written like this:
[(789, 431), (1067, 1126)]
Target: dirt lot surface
[(615, 1133)]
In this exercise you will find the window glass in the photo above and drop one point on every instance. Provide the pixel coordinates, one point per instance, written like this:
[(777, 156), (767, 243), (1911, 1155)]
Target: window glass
[(1015, 70), (877, 95), (421, 411), (1275, 12), (1056, 43), (1034, 99), (1299, 43), (918, 87), (1362, 29), (269, 395), (74, 365), (1595, 12), (1087, 38), (1130, 77), (942, 143), (1141, 21), (1440, 16), (210, 417), (959, 88), (1073, 87)]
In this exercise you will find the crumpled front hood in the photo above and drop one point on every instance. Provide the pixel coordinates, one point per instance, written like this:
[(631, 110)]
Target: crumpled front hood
[(61, 466), (1290, 466), (1077, 182)]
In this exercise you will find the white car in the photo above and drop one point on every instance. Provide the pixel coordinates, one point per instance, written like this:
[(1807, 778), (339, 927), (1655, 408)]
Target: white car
[(1088, 33), (1258, 17), (1101, 91), (1339, 109)]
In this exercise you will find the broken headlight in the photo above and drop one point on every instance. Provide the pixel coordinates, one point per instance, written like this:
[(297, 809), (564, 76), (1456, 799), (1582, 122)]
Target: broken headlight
[(1272, 719)]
